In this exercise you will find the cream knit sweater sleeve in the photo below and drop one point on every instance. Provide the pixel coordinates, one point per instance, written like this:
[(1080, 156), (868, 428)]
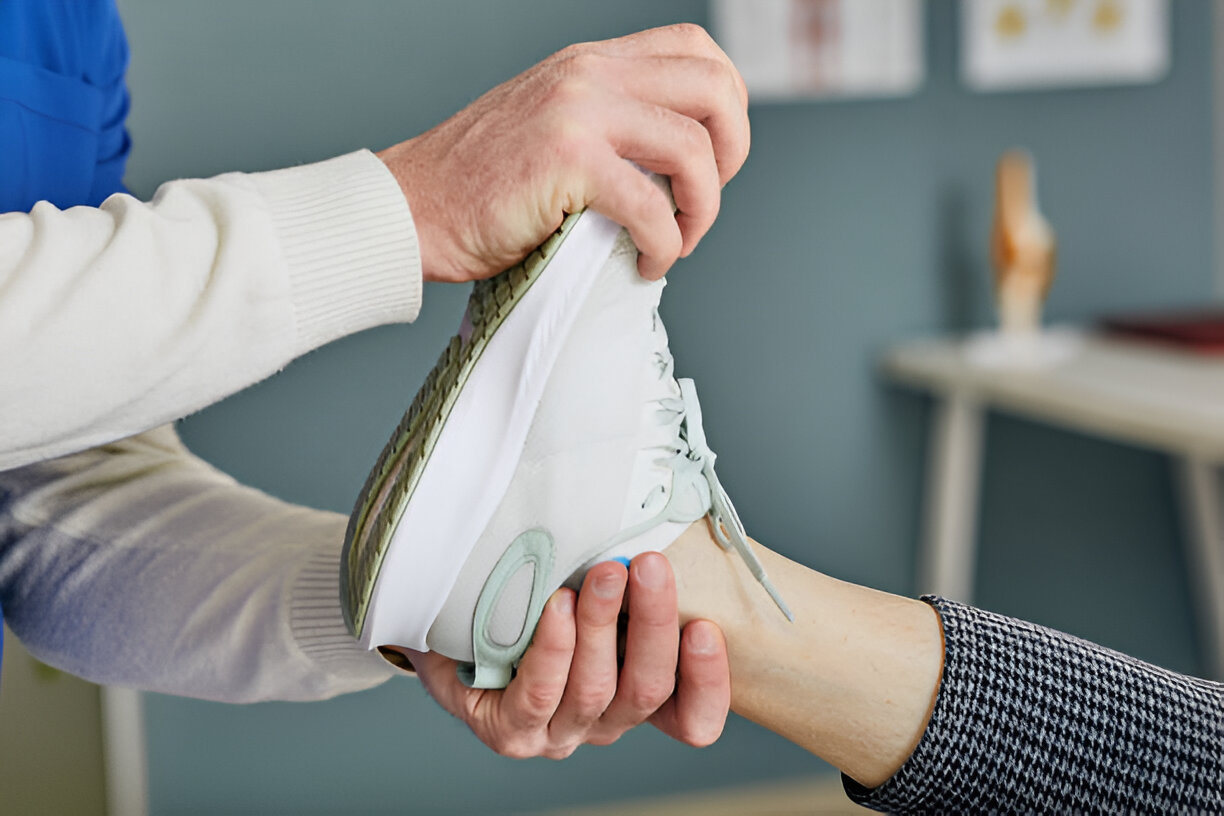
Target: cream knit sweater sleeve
[(132, 562), (120, 318), (137, 564)]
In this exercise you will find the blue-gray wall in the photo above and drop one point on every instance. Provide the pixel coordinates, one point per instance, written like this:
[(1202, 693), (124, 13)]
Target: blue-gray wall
[(853, 224)]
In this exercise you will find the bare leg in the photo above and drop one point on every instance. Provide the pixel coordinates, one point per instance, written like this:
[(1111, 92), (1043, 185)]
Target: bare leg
[(853, 679)]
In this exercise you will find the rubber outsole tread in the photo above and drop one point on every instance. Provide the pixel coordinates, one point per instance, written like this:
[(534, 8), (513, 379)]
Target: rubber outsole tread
[(395, 475)]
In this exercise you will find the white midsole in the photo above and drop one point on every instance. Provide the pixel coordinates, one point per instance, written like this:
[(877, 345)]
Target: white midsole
[(480, 444)]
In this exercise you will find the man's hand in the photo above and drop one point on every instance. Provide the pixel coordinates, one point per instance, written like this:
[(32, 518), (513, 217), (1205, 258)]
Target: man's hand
[(568, 690), (490, 183)]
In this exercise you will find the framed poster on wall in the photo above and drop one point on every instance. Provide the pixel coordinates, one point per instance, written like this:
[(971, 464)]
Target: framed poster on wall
[(1019, 44), (811, 49)]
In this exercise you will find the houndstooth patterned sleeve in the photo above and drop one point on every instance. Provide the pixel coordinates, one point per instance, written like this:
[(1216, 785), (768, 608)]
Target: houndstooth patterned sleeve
[(1030, 720)]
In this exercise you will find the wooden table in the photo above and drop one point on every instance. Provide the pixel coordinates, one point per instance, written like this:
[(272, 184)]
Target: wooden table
[(1138, 393)]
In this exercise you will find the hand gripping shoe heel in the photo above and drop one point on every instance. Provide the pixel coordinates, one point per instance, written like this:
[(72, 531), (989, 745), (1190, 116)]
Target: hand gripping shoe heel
[(552, 435)]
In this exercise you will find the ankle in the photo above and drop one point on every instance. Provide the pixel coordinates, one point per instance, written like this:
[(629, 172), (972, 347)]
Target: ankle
[(716, 585)]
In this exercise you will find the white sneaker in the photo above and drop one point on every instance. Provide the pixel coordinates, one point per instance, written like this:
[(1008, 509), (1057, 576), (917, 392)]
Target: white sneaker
[(551, 436)]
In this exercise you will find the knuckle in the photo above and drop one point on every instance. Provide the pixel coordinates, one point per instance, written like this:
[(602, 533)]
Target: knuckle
[(703, 217), (693, 35), (605, 737), (741, 151), (560, 752), (540, 700), (712, 208), (560, 61), (715, 73), (696, 137), (500, 744), (647, 202), (573, 50), (583, 723), (591, 702), (706, 208), (568, 94), (648, 696), (517, 748), (675, 245), (568, 52), (584, 63)]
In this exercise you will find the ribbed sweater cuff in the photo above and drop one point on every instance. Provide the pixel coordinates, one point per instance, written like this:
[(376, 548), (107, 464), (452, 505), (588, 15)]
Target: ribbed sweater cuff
[(318, 624), (349, 243)]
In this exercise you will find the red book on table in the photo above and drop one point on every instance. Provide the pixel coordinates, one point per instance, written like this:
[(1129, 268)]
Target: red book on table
[(1199, 330)]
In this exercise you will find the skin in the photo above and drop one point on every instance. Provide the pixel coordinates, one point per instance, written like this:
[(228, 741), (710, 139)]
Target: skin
[(488, 184), (485, 187), (853, 679), (568, 690)]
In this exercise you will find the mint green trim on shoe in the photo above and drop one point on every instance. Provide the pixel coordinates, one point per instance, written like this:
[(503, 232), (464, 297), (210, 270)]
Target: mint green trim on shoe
[(496, 657)]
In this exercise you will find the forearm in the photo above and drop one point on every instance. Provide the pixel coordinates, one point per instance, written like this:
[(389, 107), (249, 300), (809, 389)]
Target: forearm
[(852, 679), (116, 319), (137, 564), (940, 707)]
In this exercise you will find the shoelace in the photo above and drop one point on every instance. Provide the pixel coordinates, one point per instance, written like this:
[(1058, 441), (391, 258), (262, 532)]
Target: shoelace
[(729, 531), (692, 464)]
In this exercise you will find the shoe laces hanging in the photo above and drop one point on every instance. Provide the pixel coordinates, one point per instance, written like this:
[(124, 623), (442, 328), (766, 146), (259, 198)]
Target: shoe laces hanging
[(689, 458)]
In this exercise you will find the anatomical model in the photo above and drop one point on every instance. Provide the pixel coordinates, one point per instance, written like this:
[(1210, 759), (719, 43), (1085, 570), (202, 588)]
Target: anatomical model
[(1021, 247)]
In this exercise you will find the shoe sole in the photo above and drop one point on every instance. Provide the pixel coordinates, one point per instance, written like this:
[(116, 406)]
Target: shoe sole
[(397, 474)]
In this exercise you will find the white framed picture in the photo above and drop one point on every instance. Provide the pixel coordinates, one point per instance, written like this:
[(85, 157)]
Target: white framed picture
[(811, 49), (1018, 44)]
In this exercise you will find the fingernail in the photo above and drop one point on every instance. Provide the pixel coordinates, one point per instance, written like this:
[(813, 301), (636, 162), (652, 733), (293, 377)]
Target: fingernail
[(651, 573), (701, 640), (563, 602), (608, 585)]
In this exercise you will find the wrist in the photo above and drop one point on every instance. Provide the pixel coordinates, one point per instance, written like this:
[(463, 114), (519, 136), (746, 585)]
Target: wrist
[(441, 259)]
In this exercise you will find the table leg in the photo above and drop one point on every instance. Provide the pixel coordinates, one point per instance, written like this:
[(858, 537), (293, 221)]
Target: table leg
[(1201, 495), (124, 753), (947, 560)]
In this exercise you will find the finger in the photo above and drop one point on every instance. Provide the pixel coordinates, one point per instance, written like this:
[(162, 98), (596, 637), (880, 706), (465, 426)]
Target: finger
[(592, 676), (649, 674), (680, 40), (697, 713), (441, 681), (678, 66), (628, 197), (536, 690), (439, 678), (676, 146), (677, 39), (705, 90)]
